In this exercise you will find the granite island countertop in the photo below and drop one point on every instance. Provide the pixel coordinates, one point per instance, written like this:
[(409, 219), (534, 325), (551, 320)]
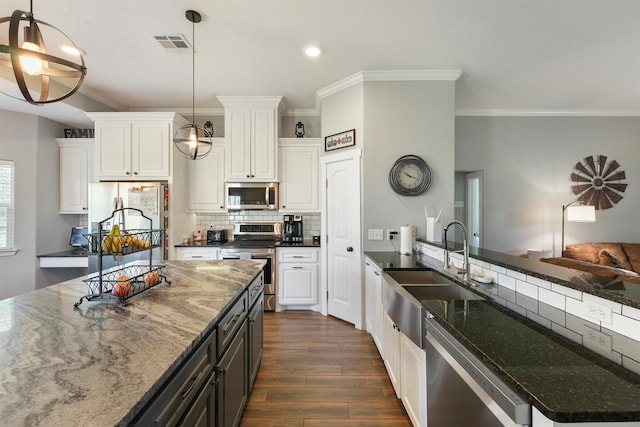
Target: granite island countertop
[(563, 380), (99, 364)]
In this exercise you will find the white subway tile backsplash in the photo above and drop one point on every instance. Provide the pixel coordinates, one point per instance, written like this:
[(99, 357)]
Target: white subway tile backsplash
[(516, 275), (539, 282), (626, 326), (632, 312), (507, 281), (554, 299), (572, 293), (498, 269), (527, 289)]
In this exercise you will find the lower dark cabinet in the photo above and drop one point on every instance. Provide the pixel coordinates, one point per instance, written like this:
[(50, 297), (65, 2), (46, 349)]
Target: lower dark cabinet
[(256, 339), (203, 410), (232, 393)]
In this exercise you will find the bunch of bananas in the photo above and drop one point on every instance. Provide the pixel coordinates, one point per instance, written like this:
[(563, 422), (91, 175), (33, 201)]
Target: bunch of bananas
[(113, 241)]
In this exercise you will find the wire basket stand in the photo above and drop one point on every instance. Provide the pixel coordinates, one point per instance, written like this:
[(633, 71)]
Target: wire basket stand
[(124, 282)]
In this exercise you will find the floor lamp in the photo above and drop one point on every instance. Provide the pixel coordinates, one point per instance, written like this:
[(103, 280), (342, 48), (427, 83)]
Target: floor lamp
[(583, 213)]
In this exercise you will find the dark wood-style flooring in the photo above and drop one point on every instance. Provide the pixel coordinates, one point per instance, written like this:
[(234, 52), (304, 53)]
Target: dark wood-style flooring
[(320, 371)]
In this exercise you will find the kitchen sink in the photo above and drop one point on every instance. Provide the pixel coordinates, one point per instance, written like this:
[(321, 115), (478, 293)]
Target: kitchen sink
[(441, 292), (418, 277), (404, 290)]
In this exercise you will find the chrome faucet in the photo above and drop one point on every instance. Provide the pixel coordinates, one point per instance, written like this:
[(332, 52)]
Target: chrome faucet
[(465, 249)]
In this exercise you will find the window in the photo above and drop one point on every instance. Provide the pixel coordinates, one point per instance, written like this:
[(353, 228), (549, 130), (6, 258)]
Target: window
[(6, 204)]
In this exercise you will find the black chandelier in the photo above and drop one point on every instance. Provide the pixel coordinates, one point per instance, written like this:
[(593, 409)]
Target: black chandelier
[(43, 76), (193, 141)]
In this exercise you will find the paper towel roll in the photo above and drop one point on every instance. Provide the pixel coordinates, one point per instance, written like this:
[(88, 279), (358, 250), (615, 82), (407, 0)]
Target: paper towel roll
[(406, 240)]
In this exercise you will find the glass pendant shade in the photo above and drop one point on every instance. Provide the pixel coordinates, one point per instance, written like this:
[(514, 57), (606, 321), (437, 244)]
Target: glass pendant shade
[(37, 55), (193, 141)]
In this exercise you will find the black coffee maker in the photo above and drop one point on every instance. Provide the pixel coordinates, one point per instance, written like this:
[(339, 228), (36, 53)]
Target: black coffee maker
[(292, 229)]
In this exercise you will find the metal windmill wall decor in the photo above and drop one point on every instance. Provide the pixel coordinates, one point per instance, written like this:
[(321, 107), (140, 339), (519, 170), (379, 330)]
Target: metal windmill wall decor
[(598, 182)]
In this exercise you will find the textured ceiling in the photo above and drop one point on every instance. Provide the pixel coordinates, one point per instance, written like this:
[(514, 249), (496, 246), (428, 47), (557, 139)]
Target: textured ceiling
[(533, 55)]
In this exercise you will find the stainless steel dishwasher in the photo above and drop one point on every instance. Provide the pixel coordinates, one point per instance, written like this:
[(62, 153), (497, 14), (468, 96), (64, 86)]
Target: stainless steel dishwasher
[(462, 391)]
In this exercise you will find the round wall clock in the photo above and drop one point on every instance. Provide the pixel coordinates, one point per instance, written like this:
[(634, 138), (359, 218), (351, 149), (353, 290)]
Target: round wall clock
[(598, 182), (410, 176)]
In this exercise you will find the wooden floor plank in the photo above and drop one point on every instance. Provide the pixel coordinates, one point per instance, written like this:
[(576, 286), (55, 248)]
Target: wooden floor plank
[(320, 371)]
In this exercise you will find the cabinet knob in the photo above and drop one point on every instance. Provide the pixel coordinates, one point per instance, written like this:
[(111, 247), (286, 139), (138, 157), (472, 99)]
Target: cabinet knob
[(221, 207), (248, 176), (128, 173), (135, 173), (349, 249), (284, 206)]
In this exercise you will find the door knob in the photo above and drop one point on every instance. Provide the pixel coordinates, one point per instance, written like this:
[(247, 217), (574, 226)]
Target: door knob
[(349, 249)]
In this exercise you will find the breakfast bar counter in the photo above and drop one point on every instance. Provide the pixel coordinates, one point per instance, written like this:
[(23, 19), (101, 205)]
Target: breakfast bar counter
[(100, 364)]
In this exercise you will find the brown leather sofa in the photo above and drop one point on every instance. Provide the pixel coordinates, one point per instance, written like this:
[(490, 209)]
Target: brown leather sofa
[(619, 261)]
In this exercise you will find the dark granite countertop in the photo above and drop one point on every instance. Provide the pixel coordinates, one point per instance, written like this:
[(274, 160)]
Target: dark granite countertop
[(77, 253), (562, 379), (100, 363)]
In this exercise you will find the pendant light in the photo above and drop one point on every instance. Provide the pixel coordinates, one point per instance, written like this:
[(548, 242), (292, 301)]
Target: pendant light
[(193, 141), (42, 76)]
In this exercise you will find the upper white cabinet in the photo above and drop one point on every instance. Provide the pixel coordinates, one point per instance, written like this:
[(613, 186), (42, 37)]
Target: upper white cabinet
[(251, 129), (134, 146), (76, 172), (206, 181), (298, 173)]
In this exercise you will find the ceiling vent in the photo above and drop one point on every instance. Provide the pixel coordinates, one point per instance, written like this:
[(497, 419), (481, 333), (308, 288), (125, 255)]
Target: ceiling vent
[(174, 43)]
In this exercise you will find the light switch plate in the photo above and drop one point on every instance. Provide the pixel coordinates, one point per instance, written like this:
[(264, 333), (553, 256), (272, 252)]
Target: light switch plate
[(597, 311), (376, 233)]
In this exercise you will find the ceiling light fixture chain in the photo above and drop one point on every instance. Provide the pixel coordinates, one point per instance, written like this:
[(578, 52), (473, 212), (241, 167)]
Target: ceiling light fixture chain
[(191, 140)]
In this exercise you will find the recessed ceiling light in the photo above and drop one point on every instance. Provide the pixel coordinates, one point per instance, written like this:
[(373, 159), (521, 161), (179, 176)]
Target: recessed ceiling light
[(312, 51)]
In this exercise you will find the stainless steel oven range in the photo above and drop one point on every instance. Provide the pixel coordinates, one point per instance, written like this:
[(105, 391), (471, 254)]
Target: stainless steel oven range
[(257, 240)]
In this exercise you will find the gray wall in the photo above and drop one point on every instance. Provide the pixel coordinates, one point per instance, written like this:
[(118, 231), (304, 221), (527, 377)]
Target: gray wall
[(406, 118), (527, 162), (30, 142)]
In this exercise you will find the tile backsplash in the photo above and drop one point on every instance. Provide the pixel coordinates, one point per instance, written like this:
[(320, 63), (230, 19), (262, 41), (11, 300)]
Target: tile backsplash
[(225, 221), (605, 327)]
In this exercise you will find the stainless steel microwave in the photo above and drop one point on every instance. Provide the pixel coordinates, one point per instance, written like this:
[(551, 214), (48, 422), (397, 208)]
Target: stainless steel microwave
[(252, 195)]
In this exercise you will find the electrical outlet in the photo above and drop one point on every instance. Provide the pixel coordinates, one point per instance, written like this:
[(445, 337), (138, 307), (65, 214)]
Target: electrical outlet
[(597, 339), (376, 234), (391, 234), (597, 311)]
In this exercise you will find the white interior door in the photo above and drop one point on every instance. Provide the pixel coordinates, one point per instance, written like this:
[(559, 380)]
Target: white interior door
[(474, 208), (341, 202)]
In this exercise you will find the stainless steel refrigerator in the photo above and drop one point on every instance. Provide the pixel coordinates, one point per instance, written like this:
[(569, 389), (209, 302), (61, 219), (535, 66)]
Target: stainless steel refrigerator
[(152, 198)]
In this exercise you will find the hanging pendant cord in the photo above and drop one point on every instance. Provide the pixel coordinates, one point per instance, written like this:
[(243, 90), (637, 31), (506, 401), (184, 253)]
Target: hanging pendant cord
[(193, 73)]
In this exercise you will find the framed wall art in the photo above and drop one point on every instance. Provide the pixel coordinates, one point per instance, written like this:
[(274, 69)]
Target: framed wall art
[(340, 140)]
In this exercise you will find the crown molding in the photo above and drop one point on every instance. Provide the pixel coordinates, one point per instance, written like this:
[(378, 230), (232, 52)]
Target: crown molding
[(470, 112), (302, 112), (250, 101), (386, 76)]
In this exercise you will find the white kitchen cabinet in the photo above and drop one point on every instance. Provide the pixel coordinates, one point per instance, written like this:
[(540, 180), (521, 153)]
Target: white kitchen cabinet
[(206, 181), (373, 302), (76, 172), (413, 374), (134, 146), (251, 129), (198, 253), (297, 278), (299, 174), (391, 353)]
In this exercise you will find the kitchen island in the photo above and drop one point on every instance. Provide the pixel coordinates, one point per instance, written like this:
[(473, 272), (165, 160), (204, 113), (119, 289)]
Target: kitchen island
[(101, 363)]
